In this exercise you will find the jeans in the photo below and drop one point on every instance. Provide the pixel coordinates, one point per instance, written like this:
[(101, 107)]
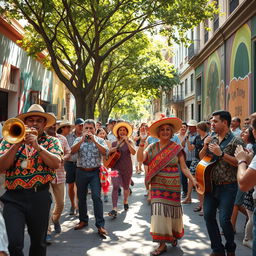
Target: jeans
[(222, 197), (23, 207), (254, 233), (83, 179)]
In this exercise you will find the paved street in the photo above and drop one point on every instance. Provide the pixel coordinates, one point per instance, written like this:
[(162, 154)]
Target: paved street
[(129, 232)]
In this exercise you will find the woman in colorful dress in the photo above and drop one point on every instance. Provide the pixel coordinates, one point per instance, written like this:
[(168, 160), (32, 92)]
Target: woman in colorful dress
[(162, 159), (121, 173)]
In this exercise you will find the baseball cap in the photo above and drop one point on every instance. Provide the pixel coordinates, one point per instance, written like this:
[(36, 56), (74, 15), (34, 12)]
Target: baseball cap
[(111, 120), (79, 121)]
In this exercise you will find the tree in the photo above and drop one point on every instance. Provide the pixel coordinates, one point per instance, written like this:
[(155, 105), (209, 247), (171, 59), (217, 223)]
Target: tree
[(80, 35)]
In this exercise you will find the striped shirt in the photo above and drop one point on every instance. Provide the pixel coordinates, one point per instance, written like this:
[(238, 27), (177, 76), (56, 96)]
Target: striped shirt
[(60, 172)]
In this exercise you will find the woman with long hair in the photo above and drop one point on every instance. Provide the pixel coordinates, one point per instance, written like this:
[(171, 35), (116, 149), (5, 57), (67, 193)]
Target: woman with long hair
[(162, 159), (121, 173)]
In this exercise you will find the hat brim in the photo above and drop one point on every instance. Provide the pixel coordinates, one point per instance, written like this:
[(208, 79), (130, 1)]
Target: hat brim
[(50, 120), (174, 121), (122, 124), (64, 124)]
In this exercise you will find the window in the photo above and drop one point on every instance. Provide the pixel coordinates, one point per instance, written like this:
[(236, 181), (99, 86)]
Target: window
[(216, 18), (13, 75), (192, 111), (186, 87), (192, 82), (206, 32), (232, 5)]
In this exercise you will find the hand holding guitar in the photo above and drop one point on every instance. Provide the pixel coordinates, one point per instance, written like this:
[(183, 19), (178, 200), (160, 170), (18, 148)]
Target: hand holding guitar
[(215, 149), (207, 140)]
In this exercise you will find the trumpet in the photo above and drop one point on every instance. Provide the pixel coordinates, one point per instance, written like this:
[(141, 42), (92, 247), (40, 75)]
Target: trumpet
[(14, 131)]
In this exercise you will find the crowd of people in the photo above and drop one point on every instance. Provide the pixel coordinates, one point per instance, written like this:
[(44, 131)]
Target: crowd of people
[(88, 156)]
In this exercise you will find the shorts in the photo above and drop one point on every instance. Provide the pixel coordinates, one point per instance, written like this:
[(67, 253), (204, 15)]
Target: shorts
[(239, 197), (70, 168)]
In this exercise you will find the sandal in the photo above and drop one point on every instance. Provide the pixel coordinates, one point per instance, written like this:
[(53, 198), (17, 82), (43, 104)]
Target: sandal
[(112, 213), (186, 201), (197, 208), (157, 251), (126, 207)]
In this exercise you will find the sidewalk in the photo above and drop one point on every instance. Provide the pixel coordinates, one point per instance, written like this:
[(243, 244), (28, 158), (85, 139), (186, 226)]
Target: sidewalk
[(129, 232)]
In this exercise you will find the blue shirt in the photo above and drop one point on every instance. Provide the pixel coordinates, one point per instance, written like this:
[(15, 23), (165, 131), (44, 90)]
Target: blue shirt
[(89, 155), (174, 138)]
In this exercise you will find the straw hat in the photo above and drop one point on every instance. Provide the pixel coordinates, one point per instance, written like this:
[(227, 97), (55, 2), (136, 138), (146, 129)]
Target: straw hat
[(37, 110), (122, 124), (174, 121), (64, 123), (192, 123)]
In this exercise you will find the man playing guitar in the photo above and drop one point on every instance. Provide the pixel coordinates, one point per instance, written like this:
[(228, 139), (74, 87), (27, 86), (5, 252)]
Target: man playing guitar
[(222, 146)]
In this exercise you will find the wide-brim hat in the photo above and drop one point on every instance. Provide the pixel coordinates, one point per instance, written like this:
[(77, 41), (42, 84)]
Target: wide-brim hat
[(122, 124), (64, 123), (192, 123), (175, 122), (37, 110)]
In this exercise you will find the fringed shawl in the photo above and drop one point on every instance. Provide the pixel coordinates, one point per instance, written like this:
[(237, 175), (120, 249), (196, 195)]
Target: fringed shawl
[(157, 160)]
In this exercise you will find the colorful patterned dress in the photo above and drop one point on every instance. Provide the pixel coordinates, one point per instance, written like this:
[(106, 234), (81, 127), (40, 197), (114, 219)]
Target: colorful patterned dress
[(164, 178)]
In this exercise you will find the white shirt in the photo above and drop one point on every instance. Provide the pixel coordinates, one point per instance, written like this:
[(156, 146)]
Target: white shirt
[(3, 236), (237, 132)]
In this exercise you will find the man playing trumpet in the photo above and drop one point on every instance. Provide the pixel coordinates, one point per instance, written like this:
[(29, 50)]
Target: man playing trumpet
[(29, 166)]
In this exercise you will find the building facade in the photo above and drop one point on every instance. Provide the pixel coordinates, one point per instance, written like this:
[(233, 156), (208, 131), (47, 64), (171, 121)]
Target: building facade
[(25, 81), (218, 70)]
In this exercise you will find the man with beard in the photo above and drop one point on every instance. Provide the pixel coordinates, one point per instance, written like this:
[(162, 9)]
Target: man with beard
[(29, 167)]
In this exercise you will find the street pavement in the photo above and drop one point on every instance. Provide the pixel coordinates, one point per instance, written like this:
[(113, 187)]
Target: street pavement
[(129, 232)]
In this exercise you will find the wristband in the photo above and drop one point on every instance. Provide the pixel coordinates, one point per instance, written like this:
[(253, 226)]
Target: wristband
[(222, 154), (242, 161)]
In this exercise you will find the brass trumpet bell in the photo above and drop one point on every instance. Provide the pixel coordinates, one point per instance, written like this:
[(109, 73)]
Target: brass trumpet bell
[(14, 131)]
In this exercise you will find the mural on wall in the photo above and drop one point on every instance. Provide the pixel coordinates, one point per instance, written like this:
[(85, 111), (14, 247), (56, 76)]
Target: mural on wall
[(213, 94), (239, 74)]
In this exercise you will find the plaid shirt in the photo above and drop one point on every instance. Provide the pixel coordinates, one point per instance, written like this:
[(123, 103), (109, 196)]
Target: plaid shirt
[(60, 172), (71, 138), (18, 178)]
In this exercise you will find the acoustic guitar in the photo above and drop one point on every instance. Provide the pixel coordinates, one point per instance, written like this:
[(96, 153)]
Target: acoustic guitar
[(203, 174), (112, 159)]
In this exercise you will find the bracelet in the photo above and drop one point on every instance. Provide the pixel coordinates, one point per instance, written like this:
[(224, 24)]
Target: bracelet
[(222, 154), (142, 145), (242, 161)]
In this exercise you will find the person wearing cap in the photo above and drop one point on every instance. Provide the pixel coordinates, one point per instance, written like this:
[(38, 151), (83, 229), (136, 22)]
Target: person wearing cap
[(123, 166), (64, 128), (190, 156), (29, 166), (70, 165), (111, 123), (58, 184), (90, 149), (162, 159)]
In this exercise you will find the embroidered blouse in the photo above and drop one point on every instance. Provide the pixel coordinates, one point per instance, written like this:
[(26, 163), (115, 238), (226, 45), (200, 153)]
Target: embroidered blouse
[(18, 178)]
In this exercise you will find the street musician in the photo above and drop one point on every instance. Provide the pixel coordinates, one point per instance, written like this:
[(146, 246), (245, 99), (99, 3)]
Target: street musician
[(224, 183), (29, 164)]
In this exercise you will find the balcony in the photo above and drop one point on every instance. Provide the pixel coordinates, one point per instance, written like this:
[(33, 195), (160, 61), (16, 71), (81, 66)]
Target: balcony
[(177, 98)]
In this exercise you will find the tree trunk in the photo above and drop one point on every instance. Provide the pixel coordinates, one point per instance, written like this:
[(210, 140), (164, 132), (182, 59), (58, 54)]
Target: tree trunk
[(104, 114), (84, 107)]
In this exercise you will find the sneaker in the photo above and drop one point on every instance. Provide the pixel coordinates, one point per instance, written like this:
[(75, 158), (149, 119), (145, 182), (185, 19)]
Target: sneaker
[(72, 211), (105, 198), (247, 243), (57, 227), (48, 239)]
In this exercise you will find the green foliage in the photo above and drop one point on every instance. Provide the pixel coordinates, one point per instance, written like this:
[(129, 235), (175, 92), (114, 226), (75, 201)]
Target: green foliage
[(82, 36)]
